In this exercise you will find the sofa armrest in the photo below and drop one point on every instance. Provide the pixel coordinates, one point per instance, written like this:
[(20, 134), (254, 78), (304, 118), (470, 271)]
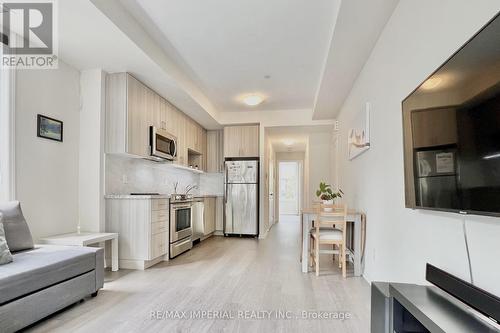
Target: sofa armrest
[(99, 268)]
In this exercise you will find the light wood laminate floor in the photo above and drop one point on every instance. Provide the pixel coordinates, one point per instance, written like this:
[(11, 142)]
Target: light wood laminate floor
[(224, 274)]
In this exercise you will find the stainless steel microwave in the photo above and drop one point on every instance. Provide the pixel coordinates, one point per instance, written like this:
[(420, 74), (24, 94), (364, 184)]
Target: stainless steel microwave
[(162, 144)]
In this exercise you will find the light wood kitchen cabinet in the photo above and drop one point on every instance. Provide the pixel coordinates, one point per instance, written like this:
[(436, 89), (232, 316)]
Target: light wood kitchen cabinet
[(194, 135), (142, 226), (215, 151), (209, 215), (241, 141), (196, 144), (219, 215), (191, 135), (182, 150), (164, 105), (204, 149), (176, 125), (126, 116), (132, 107), (434, 127)]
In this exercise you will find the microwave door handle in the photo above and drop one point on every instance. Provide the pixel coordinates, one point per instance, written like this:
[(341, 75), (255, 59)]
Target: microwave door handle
[(175, 149), (152, 146)]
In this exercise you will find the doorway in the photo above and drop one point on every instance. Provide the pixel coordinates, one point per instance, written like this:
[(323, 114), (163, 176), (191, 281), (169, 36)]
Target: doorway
[(289, 187)]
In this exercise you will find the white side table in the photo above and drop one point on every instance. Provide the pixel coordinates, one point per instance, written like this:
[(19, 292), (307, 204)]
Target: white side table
[(87, 238)]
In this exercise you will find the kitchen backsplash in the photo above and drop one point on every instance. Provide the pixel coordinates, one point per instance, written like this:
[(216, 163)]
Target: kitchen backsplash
[(212, 183), (126, 175)]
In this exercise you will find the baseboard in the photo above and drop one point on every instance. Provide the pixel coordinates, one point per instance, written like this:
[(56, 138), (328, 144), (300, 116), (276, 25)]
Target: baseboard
[(218, 233), (139, 264)]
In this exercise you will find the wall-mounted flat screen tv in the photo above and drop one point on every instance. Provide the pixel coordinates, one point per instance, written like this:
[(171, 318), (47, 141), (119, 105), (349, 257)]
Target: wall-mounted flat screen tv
[(451, 126)]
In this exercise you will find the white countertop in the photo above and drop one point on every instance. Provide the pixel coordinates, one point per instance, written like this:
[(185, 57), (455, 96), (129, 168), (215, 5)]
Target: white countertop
[(129, 196), (161, 196)]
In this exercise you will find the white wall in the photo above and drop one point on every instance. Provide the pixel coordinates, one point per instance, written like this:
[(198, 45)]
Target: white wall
[(320, 166), (47, 171), (91, 151), (419, 37)]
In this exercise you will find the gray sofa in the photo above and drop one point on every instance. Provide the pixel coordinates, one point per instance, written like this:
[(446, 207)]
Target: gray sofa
[(44, 279)]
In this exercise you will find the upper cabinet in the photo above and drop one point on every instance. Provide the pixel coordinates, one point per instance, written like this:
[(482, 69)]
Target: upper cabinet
[(241, 141), (215, 153), (126, 117), (132, 107), (434, 127)]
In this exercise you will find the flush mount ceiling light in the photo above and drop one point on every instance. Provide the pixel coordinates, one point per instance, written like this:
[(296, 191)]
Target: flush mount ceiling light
[(288, 142), (432, 83), (252, 99)]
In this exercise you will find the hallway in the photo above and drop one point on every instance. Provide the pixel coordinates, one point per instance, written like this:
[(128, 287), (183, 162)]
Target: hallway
[(225, 275)]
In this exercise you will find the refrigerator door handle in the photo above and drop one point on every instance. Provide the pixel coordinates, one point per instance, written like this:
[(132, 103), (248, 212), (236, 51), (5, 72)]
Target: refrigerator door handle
[(226, 183)]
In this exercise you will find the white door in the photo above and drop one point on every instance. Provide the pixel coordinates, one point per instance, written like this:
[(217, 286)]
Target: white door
[(289, 187)]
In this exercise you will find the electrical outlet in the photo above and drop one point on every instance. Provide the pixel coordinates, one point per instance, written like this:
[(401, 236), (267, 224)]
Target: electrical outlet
[(373, 255), (166, 181), (124, 179)]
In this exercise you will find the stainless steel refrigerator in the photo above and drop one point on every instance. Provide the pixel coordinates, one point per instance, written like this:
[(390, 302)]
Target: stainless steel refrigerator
[(436, 182), (241, 197)]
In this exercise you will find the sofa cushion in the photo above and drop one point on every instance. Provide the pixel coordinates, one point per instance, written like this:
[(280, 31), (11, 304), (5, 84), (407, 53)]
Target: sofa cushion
[(5, 255), (43, 266), (17, 232)]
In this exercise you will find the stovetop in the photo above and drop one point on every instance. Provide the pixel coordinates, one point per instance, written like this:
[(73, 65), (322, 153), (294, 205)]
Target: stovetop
[(144, 193)]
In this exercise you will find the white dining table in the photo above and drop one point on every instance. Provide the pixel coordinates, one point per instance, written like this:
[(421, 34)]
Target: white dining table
[(355, 254)]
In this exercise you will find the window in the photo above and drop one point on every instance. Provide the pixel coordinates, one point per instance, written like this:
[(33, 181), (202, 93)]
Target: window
[(289, 187)]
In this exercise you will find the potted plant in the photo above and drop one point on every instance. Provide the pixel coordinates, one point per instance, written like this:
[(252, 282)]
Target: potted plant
[(325, 193)]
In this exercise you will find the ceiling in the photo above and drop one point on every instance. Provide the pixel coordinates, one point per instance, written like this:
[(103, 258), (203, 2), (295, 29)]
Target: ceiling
[(293, 138), (87, 46), (233, 48), (359, 25), (204, 55)]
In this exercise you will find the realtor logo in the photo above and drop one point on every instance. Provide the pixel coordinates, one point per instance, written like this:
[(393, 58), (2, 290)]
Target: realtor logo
[(30, 31)]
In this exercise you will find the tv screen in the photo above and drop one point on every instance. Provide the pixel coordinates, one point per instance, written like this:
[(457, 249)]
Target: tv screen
[(451, 126)]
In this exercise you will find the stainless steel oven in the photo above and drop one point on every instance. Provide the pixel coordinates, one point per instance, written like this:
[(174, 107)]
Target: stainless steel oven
[(181, 230), (162, 144)]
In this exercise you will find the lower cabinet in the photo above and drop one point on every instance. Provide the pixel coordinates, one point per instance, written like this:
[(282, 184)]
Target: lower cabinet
[(209, 215), (142, 227), (219, 216)]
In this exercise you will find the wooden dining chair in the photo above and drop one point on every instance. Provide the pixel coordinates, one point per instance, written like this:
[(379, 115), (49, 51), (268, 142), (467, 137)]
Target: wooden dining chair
[(329, 229)]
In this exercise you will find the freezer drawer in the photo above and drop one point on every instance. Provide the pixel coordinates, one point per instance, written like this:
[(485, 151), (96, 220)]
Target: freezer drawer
[(241, 209), (438, 192)]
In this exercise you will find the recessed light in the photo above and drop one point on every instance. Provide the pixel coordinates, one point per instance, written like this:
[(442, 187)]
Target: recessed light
[(288, 142), (253, 99), (432, 83)]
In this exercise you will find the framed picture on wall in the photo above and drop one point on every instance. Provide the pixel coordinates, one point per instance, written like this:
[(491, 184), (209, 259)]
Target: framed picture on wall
[(359, 135), (49, 128)]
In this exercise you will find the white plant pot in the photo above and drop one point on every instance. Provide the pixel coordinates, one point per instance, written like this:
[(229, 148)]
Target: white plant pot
[(328, 202)]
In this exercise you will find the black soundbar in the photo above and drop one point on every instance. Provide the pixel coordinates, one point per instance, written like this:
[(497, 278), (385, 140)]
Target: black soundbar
[(477, 298)]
